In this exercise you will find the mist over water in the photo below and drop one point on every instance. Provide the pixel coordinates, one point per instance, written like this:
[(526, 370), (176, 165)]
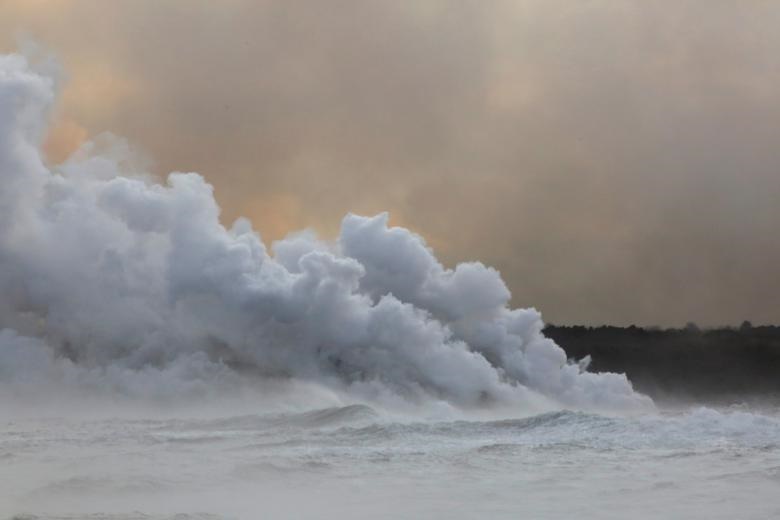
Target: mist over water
[(156, 364)]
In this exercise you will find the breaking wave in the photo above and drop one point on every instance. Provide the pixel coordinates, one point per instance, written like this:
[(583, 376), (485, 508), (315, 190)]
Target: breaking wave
[(343, 461)]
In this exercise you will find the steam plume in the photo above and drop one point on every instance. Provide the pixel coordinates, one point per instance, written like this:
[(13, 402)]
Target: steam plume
[(113, 281)]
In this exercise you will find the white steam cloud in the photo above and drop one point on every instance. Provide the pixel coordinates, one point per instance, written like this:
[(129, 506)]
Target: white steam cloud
[(113, 282)]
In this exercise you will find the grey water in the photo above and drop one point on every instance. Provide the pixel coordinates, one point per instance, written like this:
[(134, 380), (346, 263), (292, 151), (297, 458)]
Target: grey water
[(359, 462)]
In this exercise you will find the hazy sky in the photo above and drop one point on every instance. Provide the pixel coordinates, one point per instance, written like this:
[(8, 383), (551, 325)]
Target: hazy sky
[(617, 161)]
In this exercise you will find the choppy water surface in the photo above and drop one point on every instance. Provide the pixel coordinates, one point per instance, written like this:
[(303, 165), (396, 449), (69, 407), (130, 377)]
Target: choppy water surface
[(354, 462)]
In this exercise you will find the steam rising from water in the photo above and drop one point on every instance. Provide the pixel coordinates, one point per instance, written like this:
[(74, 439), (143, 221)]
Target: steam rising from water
[(112, 282)]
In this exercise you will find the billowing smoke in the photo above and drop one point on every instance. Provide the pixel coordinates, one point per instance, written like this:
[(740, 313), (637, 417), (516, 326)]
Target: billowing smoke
[(113, 282)]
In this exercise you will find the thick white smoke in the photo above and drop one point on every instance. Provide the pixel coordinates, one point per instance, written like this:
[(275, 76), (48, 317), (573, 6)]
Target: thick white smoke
[(111, 281)]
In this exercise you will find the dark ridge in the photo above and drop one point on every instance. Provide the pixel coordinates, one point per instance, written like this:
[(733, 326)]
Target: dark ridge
[(727, 364)]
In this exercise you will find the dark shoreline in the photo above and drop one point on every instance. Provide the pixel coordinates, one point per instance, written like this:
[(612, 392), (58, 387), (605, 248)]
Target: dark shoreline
[(722, 364)]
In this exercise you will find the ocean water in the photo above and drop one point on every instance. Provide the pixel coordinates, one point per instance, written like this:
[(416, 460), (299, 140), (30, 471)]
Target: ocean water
[(359, 462)]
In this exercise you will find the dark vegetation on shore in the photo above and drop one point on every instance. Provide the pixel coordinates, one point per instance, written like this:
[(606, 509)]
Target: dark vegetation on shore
[(690, 363)]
